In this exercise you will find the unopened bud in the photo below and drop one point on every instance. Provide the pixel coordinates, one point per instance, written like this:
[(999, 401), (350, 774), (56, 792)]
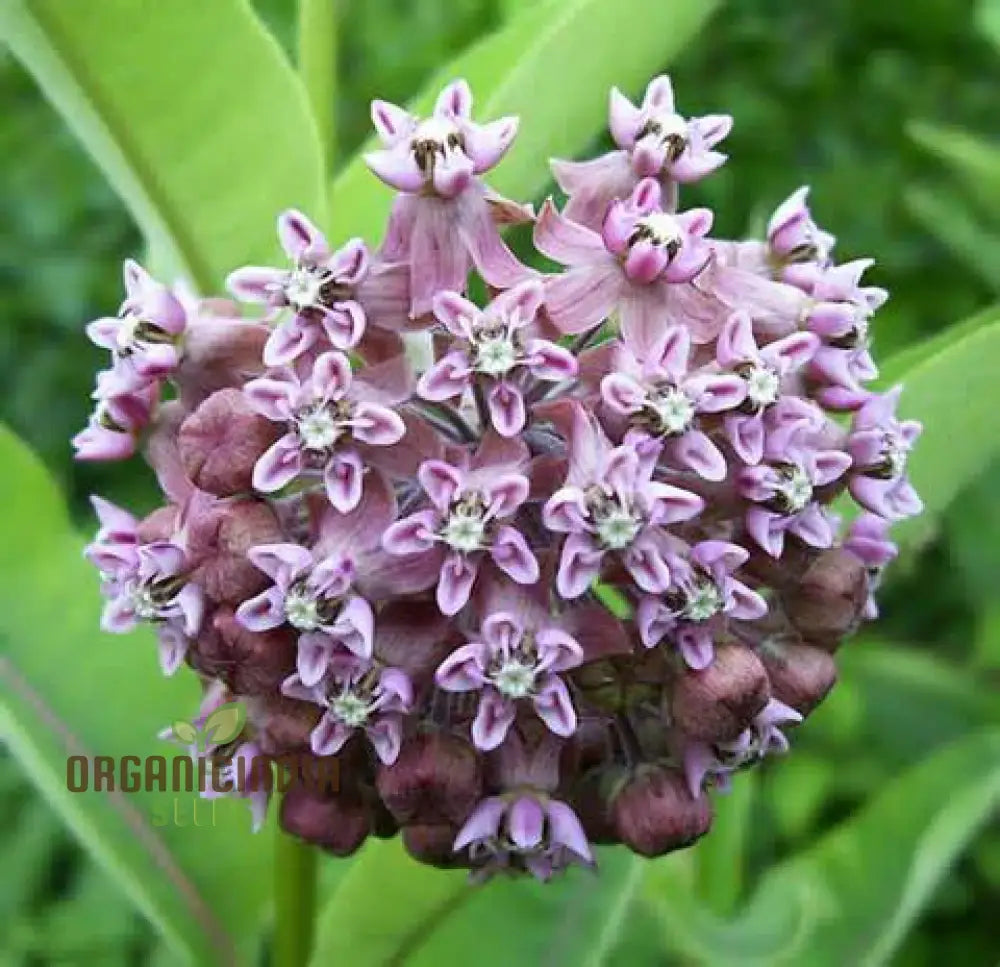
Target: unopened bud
[(436, 779), (338, 824), (219, 538), (655, 814), (801, 675), (219, 352), (828, 602), (221, 442), (716, 703), (159, 525), (285, 724), (249, 662)]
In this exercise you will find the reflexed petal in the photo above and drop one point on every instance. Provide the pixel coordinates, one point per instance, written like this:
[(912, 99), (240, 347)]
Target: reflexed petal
[(554, 707), (411, 535), (564, 241), (441, 482), (510, 553), (579, 566), (173, 645), (496, 263), (526, 822), (565, 829), (257, 284), (696, 451), (484, 823), (264, 612), (548, 361), (386, 737), (271, 397), (280, 464), (344, 324), (464, 669), (449, 377), (439, 260), (486, 144), (329, 736), (376, 425), (507, 412), (396, 167), (458, 574), (289, 341), (343, 479), (300, 238), (493, 720)]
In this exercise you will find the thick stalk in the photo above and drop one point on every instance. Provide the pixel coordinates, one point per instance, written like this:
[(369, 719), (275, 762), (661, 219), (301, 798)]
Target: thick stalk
[(294, 900)]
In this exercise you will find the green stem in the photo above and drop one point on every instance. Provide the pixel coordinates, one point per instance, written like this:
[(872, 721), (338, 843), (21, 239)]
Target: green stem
[(294, 900), (317, 54)]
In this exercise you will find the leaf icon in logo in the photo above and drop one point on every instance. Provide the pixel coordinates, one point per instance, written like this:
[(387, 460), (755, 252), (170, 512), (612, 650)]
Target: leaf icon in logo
[(184, 732), (224, 724)]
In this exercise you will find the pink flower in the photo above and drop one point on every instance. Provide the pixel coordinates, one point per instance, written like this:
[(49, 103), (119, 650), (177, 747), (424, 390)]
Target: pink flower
[(654, 141), (327, 415), (441, 223), (663, 401), (879, 445), (490, 349), (763, 371), (868, 540), (640, 265), (330, 295), (528, 830), (467, 520), (702, 598), (610, 504), (357, 694), (516, 659), (118, 419), (143, 337), (799, 247), (783, 491)]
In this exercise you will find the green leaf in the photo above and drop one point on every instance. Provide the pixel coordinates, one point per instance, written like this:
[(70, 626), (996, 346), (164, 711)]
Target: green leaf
[(851, 898), (988, 21), (68, 689), (191, 111), (390, 910), (317, 48), (973, 161), (953, 390), (225, 723), (553, 66)]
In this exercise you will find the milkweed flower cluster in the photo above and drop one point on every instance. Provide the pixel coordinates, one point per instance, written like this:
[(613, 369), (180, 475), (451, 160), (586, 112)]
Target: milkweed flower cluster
[(557, 586)]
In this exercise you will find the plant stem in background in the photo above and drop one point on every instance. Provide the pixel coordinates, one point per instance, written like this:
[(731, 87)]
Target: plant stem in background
[(317, 54), (294, 900), (720, 859)]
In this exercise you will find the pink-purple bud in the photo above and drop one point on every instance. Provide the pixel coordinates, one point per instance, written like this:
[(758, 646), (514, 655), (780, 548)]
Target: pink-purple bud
[(654, 813), (221, 442), (801, 675), (338, 824), (829, 600), (716, 703)]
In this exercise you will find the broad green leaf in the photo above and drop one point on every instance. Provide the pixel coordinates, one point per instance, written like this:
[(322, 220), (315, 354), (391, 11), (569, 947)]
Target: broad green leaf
[(988, 21), (954, 391), (858, 891), (574, 921), (317, 55), (390, 910), (552, 65), (384, 908), (191, 111), (949, 219), (68, 689), (974, 161)]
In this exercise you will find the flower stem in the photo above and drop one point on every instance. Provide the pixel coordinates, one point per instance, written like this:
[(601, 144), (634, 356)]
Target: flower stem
[(317, 58), (294, 900)]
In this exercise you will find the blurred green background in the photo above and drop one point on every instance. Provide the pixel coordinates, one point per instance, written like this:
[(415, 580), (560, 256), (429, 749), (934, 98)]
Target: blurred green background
[(846, 95)]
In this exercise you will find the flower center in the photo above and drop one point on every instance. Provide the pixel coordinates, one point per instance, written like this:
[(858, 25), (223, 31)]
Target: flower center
[(763, 385), (670, 129), (514, 679), (318, 428), (302, 610), (673, 410), (303, 287), (464, 530), (703, 601), (143, 603), (350, 708), (617, 528), (434, 137), (495, 355), (660, 228), (135, 331), (795, 489)]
